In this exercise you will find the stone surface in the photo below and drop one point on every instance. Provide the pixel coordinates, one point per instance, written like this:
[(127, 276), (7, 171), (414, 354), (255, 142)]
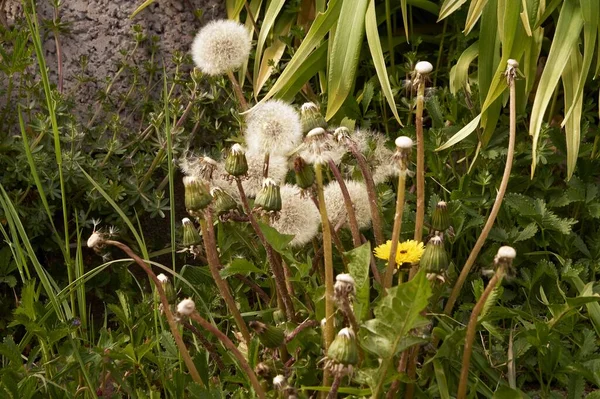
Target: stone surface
[(101, 30)]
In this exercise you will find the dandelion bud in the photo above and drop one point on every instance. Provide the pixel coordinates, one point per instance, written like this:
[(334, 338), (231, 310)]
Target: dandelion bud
[(223, 202), (186, 307), (95, 240), (512, 63), (434, 258), (279, 382), (423, 67), (236, 163), (207, 168), (269, 336), (191, 236), (305, 175), (440, 220), (344, 285), (167, 287), (403, 149), (504, 259), (221, 46), (197, 196), (162, 278), (269, 197), (311, 117), (344, 350), (341, 134)]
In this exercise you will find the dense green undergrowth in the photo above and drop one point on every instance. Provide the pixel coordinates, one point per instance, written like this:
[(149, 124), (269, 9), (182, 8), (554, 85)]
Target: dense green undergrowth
[(77, 322)]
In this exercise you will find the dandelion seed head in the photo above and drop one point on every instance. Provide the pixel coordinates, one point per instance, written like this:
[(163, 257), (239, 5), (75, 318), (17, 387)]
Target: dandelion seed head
[(273, 127), (162, 278), (186, 307), (423, 67), (95, 239), (336, 209), (221, 46), (298, 216)]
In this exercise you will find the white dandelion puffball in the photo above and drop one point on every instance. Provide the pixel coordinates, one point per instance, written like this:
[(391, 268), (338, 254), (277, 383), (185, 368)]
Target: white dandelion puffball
[(423, 67), (273, 127), (221, 46), (252, 183), (298, 216), (319, 147), (162, 278), (336, 209), (186, 307)]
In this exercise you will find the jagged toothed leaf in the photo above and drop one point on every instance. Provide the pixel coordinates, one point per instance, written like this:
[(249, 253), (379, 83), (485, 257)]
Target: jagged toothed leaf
[(395, 316), (359, 261)]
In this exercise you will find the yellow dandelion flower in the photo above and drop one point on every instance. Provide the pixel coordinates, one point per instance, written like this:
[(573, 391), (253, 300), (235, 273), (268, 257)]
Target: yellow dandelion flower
[(407, 252)]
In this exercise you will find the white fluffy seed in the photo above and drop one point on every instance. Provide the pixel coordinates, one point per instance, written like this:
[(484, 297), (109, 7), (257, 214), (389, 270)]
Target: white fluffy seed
[(186, 307)]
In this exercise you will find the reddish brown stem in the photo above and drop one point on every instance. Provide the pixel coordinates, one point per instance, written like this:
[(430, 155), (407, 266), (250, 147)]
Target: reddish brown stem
[(233, 349), (166, 308)]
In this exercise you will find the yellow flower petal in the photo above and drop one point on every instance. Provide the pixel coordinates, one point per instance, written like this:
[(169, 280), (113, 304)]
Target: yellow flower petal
[(407, 252)]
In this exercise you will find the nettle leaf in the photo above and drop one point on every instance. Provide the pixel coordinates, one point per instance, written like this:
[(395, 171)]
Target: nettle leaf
[(358, 266), (521, 235), (522, 204), (395, 316), (550, 221)]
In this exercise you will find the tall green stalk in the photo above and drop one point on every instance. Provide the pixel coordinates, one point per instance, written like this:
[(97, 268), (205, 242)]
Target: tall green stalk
[(170, 167)]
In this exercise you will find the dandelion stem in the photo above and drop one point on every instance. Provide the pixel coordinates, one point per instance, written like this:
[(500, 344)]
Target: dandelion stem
[(352, 222), (231, 347), (420, 165), (328, 260), (287, 306), (371, 191), (497, 204), (214, 265), (389, 273), (337, 381), (166, 308), (468, 350), (238, 91)]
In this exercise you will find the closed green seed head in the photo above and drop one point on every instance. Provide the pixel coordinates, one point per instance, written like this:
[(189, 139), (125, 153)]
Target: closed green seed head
[(311, 117), (440, 220), (223, 202), (434, 258), (305, 174), (269, 197), (236, 163), (344, 349), (269, 336), (190, 233), (197, 196)]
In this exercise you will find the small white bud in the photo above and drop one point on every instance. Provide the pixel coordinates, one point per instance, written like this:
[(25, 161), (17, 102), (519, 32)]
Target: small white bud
[(512, 63), (279, 382), (346, 332), (507, 252), (404, 142), (186, 307), (344, 278), (423, 67), (94, 240), (162, 278), (318, 131), (237, 149)]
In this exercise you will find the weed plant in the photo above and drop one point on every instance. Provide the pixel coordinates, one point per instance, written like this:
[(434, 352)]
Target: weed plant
[(316, 256)]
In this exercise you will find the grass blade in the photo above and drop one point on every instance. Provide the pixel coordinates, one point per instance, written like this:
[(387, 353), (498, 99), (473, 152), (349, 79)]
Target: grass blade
[(315, 62), (343, 58), (268, 21), (459, 74), (449, 7), (122, 214), (475, 9), (170, 166), (568, 28), (591, 17), (461, 134), (571, 75), (377, 56), (141, 8), (319, 28)]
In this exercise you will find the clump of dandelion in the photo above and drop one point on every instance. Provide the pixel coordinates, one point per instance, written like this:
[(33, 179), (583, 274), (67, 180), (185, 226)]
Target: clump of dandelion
[(407, 252), (221, 46), (298, 216), (336, 208), (320, 147), (273, 128)]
